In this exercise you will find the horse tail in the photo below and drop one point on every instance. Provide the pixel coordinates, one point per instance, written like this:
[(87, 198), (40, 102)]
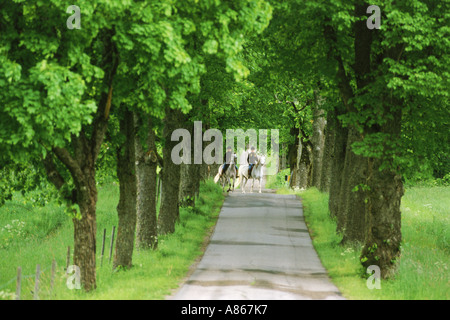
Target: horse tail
[(236, 182), (216, 178)]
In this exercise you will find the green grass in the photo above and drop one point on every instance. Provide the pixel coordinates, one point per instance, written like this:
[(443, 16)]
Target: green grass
[(154, 273), (422, 272), (277, 180)]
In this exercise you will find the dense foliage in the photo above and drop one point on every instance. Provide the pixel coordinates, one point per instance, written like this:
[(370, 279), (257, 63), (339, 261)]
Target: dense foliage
[(365, 108)]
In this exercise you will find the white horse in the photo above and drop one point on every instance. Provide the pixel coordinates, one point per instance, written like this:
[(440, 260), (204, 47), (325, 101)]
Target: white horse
[(227, 175), (257, 173)]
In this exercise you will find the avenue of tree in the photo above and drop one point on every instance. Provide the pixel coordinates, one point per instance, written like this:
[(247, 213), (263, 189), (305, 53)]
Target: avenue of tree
[(358, 109)]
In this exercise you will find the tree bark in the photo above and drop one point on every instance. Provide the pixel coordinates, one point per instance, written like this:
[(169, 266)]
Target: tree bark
[(383, 215), (189, 178), (189, 184), (301, 165), (85, 231), (146, 164), (53, 174), (296, 155), (383, 219), (337, 167), (206, 171), (304, 169), (325, 175), (126, 209), (169, 210), (82, 169), (318, 141), (351, 217)]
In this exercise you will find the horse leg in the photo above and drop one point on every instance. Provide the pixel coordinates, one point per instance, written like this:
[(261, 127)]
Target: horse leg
[(243, 184), (259, 184)]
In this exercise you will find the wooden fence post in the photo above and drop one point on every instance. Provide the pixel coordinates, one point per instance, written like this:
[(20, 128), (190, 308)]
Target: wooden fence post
[(103, 246), (36, 282), (112, 243), (19, 282)]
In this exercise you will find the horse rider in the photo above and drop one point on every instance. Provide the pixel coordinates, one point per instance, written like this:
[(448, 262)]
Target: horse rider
[(252, 159), (227, 159)]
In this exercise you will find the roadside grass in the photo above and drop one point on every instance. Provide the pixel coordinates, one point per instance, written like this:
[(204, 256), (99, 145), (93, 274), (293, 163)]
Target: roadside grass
[(277, 180), (422, 272), (154, 273), (25, 233)]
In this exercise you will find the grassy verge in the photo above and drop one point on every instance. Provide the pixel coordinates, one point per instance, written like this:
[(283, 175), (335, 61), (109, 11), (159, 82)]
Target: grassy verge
[(423, 268), (154, 274), (278, 180)]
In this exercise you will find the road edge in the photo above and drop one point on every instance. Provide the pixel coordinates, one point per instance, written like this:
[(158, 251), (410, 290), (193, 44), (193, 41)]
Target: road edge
[(204, 245)]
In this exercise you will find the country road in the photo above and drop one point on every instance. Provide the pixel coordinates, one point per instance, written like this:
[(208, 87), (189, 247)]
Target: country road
[(260, 249)]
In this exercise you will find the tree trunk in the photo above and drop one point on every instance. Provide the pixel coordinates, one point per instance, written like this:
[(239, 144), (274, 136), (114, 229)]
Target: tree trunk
[(295, 163), (383, 219), (291, 160), (206, 170), (85, 231), (146, 163), (337, 167), (305, 166), (383, 215), (189, 178), (169, 210), (82, 169), (352, 196), (189, 184), (301, 166), (325, 175), (318, 141), (126, 209)]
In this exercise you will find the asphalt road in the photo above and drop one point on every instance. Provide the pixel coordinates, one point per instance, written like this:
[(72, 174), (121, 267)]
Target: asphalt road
[(260, 249)]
